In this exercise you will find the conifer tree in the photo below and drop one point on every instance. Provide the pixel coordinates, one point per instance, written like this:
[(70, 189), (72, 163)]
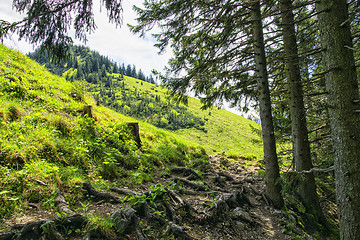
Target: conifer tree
[(301, 146), (273, 186), (343, 104), (47, 22), (212, 46)]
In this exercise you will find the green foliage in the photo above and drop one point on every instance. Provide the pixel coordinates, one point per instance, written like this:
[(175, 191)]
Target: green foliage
[(47, 23), (150, 103), (106, 224), (47, 145), (157, 192)]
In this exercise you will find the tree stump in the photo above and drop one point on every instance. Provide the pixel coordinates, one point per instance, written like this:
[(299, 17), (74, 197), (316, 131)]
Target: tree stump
[(88, 111), (135, 131)]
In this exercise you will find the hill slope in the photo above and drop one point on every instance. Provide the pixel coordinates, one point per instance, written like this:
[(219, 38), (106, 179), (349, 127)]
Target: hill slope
[(57, 166), (216, 130), (47, 144)]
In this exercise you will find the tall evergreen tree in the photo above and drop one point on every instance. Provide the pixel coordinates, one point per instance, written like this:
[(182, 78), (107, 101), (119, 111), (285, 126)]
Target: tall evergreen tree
[(301, 146), (217, 59), (273, 186), (128, 71), (343, 104), (133, 72)]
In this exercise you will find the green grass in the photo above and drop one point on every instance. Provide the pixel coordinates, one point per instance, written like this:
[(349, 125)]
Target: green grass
[(225, 131), (47, 145)]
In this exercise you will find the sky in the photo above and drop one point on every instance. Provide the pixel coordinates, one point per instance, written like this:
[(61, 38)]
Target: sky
[(119, 44)]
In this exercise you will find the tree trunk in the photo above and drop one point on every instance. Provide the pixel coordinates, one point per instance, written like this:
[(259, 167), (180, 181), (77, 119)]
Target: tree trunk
[(273, 186), (301, 145), (136, 133), (343, 96)]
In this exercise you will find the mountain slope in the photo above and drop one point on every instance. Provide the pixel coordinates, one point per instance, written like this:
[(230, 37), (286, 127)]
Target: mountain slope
[(47, 144), (57, 166), (222, 131), (216, 130)]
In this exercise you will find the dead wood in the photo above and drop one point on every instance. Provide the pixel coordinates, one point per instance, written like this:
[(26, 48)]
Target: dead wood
[(135, 131), (33, 205), (87, 111), (190, 183), (100, 195)]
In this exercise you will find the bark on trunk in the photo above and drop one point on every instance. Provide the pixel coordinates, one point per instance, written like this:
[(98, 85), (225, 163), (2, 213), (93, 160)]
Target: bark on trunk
[(272, 175), (301, 145), (343, 96)]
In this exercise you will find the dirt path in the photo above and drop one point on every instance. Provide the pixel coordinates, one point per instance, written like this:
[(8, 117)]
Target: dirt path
[(226, 202)]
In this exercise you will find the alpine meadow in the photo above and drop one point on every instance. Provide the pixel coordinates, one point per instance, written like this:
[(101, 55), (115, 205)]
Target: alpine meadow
[(92, 148)]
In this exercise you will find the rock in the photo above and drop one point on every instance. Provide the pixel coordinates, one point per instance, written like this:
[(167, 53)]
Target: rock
[(240, 226), (123, 218), (242, 215)]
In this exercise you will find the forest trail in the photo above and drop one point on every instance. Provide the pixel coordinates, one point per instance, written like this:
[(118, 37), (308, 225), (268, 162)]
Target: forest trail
[(226, 202)]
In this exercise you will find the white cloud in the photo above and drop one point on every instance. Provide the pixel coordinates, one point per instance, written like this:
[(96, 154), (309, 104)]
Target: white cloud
[(118, 43)]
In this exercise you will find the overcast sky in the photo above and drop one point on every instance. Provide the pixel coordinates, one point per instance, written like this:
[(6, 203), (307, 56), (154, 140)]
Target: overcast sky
[(119, 44)]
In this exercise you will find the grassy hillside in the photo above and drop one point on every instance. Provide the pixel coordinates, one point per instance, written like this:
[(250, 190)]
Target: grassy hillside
[(224, 131), (216, 130), (47, 144)]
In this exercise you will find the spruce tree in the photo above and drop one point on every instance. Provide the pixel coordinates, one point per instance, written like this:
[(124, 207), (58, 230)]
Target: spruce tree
[(301, 146), (273, 186), (47, 22), (343, 105)]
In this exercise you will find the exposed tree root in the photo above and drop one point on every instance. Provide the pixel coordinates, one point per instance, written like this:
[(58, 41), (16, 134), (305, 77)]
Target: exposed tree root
[(190, 183), (50, 229), (122, 191), (186, 172), (61, 203), (159, 214), (100, 195), (179, 231)]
